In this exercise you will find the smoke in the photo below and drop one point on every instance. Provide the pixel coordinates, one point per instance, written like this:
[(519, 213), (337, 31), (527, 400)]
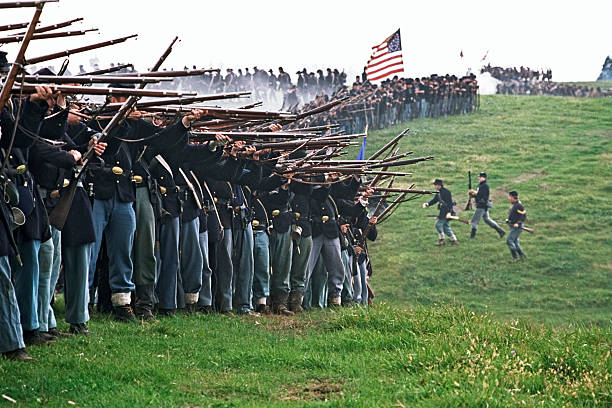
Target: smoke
[(487, 85)]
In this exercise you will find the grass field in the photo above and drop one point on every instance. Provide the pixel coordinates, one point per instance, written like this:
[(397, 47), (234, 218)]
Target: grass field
[(453, 326)]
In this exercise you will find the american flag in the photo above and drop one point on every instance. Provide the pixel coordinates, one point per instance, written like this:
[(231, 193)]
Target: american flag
[(386, 58)]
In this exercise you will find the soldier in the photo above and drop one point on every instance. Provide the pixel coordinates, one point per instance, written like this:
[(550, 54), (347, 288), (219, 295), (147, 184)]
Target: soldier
[(445, 205), (481, 197), (516, 217)]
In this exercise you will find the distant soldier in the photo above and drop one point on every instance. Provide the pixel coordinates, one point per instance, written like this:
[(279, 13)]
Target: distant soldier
[(516, 217), (481, 197), (445, 204)]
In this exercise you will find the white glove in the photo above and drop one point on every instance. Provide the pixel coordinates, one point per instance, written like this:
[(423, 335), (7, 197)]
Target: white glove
[(425, 205)]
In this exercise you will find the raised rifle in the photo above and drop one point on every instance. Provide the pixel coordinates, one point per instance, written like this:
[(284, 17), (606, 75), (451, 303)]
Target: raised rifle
[(87, 90), (468, 205), (58, 216), (19, 37), (16, 26), (90, 79), (183, 101), (7, 87), (107, 70), (17, 4), (79, 49), (189, 72)]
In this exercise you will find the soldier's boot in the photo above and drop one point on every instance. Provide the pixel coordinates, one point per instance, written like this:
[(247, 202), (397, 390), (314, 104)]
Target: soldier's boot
[(18, 355), (262, 307), (143, 306), (279, 304), (440, 242), (515, 257), (334, 302), (121, 306), (191, 302), (295, 301), (500, 231), (473, 233)]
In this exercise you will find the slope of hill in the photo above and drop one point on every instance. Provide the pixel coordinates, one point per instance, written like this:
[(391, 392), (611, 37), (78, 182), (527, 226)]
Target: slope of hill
[(557, 153)]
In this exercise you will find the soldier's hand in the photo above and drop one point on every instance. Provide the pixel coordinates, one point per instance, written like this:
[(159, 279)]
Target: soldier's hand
[(425, 205), (43, 93), (99, 148), (515, 225), (77, 155), (373, 220), (194, 115), (275, 127), (358, 250)]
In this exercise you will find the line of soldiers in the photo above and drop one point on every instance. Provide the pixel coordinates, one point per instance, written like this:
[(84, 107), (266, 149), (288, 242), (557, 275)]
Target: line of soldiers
[(265, 85), (539, 88), (397, 100), (513, 73), (481, 195), (160, 224)]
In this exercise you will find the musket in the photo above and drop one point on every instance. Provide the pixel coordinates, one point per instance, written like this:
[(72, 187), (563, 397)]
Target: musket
[(88, 90), (316, 128), (452, 217), (182, 101), (388, 145), (402, 190), (56, 26), (189, 72), (7, 87), (374, 214), (248, 113), (250, 135), (402, 162), (98, 79), (17, 38), (107, 70), (252, 105), (58, 216), (17, 4), (530, 230), (391, 206), (308, 144), (79, 49), (13, 26), (468, 205)]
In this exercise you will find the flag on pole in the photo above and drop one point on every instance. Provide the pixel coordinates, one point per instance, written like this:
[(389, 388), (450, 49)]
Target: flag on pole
[(485, 56), (386, 58), (461, 54)]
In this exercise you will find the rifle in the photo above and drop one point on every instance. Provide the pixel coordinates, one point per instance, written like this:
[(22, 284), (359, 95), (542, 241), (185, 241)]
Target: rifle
[(17, 4), (91, 79), (468, 205), (403, 190), (182, 101), (58, 216), (529, 230), (56, 26), (13, 26), (189, 72), (79, 49), (19, 37), (86, 90), (452, 217), (106, 70), (7, 87)]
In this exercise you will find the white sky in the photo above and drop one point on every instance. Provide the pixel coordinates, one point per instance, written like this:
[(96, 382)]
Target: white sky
[(573, 38)]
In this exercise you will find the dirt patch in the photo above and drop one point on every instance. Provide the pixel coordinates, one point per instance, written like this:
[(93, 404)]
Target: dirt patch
[(315, 390)]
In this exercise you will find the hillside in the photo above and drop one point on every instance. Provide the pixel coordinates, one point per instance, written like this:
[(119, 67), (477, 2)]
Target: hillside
[(556, 152), (452, 326)]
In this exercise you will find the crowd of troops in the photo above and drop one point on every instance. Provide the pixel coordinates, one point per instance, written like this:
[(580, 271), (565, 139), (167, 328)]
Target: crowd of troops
[(160, 224), (526, 81), (397, 100)]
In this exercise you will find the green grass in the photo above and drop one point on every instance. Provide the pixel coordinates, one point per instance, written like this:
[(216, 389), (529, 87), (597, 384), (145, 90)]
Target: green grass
[(381, 356), (557, 153), (453, 326)]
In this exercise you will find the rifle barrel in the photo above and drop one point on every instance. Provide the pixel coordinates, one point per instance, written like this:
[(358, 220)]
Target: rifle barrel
[(18, 4), (19, 37), (79, 49), (16, 26), (182, 101), (93, 79), (190, 72), (87, 90), (106, 70), (391, 143)]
